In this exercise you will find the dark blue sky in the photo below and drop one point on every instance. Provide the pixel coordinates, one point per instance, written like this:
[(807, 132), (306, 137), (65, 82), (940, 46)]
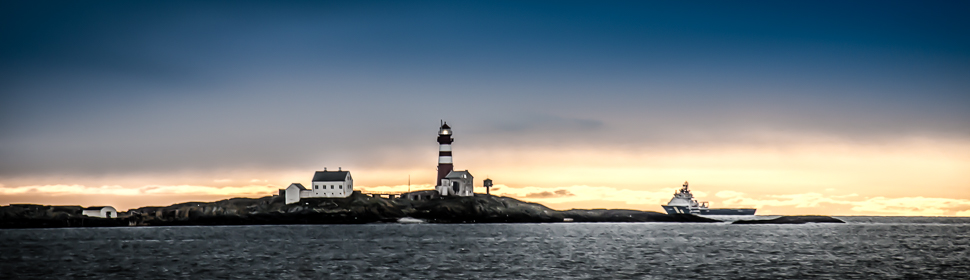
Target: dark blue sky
[(116, 87)]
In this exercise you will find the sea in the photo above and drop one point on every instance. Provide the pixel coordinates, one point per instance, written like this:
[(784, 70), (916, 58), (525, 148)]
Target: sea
[(862, 248)]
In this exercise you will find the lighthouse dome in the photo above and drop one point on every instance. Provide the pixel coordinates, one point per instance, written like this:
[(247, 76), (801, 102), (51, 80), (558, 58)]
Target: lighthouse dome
[(444, 130)]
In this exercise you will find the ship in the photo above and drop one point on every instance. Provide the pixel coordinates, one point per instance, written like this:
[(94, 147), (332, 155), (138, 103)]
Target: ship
[(684, 203)]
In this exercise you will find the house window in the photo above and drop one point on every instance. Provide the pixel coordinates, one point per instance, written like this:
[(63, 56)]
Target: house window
[(341, 187)]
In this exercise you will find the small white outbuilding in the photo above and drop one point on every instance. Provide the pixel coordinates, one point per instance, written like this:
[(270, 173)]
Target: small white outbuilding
[(294, 192), (100, 212)]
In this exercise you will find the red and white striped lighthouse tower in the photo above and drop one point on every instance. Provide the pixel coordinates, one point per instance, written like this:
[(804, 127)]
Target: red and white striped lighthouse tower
[(444, 152)]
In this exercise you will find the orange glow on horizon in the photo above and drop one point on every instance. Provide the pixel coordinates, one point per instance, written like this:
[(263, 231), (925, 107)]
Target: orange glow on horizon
[(912, 178)]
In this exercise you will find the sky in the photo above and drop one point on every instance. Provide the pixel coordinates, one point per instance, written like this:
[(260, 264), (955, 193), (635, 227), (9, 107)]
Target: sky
[(820, 107)]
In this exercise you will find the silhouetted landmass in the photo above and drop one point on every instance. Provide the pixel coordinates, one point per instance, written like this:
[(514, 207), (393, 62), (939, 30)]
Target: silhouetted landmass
[(623, 216), (356, 209), (42, 216), (792, 220), (480, 209)]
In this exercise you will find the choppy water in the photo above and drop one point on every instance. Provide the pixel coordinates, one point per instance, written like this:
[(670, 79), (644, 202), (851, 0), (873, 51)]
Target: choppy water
[(866, 248)]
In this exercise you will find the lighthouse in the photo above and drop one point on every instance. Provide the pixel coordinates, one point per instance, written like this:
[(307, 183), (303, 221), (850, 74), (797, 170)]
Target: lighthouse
[(445, 164), (449, 181)]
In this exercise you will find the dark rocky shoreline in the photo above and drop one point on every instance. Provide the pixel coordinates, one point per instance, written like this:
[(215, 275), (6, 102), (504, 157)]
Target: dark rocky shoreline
[(791, 220), (356, 209)]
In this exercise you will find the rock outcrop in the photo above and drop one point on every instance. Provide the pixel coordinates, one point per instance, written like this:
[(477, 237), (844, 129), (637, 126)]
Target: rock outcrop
[(624, 216), (480, 209), (792, 220)]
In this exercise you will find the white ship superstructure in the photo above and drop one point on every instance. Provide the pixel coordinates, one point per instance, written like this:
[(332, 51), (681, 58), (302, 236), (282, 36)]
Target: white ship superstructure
[(683, 202)]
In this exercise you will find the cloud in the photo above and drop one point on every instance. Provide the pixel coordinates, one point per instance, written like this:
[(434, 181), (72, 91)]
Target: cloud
[(804, 200), (61, 190), (912, 205), (585, 193), (68, 190), (147, 190), (905, 206), (546, 194), (395, 188), (728, 194)]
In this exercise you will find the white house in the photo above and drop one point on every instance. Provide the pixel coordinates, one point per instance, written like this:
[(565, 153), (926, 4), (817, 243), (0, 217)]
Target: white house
[(324, 184), (332, 184), (100, 212), (457, 183)]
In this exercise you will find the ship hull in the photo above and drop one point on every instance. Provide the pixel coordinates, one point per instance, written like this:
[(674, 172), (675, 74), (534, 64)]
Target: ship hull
[(708, 211)]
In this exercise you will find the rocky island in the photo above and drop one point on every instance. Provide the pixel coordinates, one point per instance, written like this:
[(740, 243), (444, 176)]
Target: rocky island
[(355, 209), (792, 220)]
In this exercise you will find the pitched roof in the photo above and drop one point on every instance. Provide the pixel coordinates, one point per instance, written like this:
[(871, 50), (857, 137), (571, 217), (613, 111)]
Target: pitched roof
[(298, 185), (457, 174), (330, 176), (97, 207)]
